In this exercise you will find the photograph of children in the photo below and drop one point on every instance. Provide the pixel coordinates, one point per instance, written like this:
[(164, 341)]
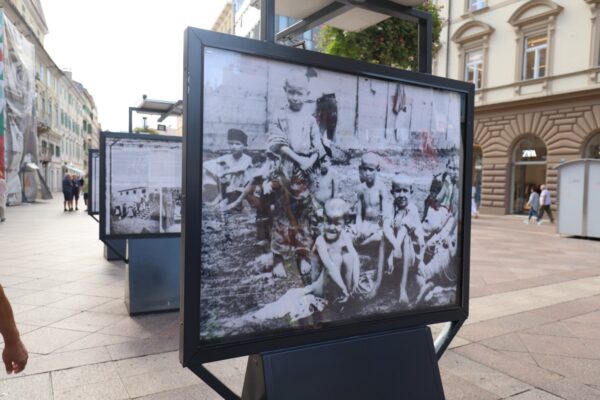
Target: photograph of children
[(326, 197), (143, 186)]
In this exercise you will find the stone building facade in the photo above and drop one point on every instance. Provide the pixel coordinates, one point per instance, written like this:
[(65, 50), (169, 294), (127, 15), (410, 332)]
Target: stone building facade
[(536, 68)]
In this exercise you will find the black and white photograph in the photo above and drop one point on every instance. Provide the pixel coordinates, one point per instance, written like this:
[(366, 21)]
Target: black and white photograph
[(327, 197), (142, 186), (94, 182)]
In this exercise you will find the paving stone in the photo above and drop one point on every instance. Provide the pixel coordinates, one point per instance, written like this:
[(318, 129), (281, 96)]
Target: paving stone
[(45, 340), (21, 387), (81, 302), (107, 390), (86, 375), (88, 321)]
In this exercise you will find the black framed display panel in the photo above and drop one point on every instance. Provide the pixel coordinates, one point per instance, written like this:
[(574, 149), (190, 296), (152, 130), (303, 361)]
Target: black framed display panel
[(193, 349), (139, 212), (93, 182)]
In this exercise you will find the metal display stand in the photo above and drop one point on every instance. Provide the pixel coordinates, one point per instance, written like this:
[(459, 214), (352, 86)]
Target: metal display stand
[(152, 280), (394, 364), (114, 249)]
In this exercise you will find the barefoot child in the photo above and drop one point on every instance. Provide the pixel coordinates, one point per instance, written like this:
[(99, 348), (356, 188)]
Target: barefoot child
[(295, 137), (337, 257), (404, 231)]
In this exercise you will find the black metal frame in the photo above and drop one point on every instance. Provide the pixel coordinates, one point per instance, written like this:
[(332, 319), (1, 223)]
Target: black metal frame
[(92, 153), (338, 7), (120, 135), (192, 352)]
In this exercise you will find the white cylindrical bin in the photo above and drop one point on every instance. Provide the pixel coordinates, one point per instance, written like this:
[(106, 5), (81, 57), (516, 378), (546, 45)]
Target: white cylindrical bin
[(578, 192)]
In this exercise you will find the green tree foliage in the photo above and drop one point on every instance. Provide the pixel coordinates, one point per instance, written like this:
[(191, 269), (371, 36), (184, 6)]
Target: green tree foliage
[(391, 42), (146, 130)]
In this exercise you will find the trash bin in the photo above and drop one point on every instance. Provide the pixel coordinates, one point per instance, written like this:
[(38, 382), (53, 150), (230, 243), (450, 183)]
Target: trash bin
[(579, 198)]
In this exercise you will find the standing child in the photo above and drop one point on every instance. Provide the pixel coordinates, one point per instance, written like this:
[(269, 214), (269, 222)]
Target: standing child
[(295, 137), (404, 231)]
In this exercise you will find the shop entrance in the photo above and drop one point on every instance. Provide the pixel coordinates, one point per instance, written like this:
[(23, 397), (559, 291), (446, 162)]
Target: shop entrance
[(529, 171)]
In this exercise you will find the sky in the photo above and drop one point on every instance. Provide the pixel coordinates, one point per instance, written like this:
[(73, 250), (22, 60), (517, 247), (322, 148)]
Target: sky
[(122, 49)]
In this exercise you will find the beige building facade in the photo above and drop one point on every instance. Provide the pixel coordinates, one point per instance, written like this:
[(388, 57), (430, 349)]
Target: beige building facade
[(536, 68)]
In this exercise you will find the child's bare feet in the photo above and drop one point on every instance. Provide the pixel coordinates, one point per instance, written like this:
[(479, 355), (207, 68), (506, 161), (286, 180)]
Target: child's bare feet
[(279, 270), (305, 267)]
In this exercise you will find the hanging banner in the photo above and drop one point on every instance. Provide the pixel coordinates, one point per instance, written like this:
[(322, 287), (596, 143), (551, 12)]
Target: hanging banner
[(2, 101), (20, 137)]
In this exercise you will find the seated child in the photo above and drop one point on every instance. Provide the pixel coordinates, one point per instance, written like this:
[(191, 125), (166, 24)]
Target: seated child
[(228, 171), (404, 231), (337, 257)]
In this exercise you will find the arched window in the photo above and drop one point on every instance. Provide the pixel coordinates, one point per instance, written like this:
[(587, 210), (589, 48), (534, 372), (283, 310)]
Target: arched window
[(529, 150), (592, 148)]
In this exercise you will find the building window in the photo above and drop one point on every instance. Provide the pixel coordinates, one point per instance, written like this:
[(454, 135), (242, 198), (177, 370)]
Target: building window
[(474, 67), (474, 5), (536, 48)]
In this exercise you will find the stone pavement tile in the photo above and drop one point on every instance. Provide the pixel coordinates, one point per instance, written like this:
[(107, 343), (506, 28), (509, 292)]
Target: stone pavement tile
[(570, 390), (41, 298), (96, 340), (115, 306), (534, 376), (456, 388), (510, 342), (488, 379), (561, 346), (108, 390), (43, 315), (116, 292), (8, 280), (228, 368), (86, 375), (21, 308), (194, 392), (45, 340), (105, 279), (535, 394), (503, 304), (570, 309), (154, 374), (37, 273), (81, 302), (143, 326), (70, 276), (78, 288), (88, 321), (151, 363), (39, 284), (13, 293), (59, 361), (143, 347), (579, 370), (501, 326), (526, 358), (22, 387)]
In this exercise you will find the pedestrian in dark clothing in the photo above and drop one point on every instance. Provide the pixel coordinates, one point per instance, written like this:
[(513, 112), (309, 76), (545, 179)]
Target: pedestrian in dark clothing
[(67, 188), (77, 183)]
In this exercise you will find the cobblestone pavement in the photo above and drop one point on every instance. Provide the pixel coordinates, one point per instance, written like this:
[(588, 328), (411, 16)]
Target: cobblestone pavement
[(533, 331)]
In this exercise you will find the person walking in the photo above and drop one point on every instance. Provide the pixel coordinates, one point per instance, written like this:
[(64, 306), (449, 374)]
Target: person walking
[(67, 188), (3, 195), (533, 203), (545, 203)]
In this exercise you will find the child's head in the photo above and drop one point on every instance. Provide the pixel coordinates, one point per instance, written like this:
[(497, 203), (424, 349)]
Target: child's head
[(369, 166), (296, 89), (401, 190), (237, 140), (335, 211)]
